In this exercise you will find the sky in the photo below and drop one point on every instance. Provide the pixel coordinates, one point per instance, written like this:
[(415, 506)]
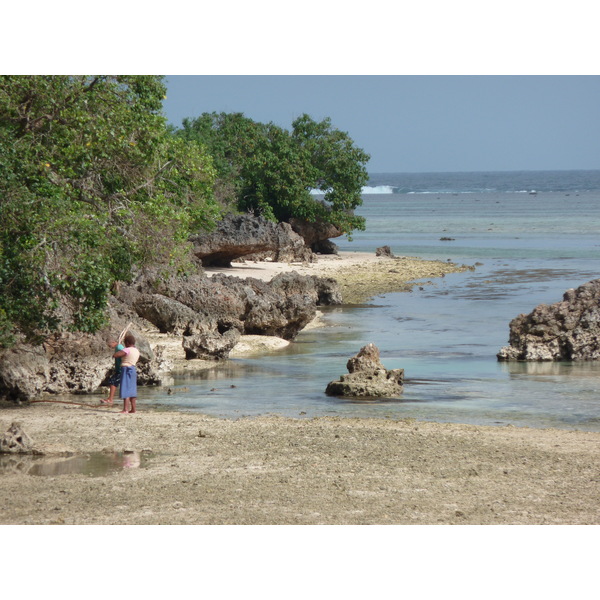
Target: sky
[(417, 123)]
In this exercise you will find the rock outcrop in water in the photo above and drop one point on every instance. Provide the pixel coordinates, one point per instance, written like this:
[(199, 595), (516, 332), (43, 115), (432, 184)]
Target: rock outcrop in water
[(384, 251), (566, 330), (367, 377), (200, 305)]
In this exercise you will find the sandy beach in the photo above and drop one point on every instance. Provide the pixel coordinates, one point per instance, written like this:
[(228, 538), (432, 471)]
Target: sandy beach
[(159, 467), (360, 275)]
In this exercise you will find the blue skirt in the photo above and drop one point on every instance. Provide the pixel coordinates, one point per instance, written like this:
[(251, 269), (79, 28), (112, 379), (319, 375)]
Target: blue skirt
[(128, 382)]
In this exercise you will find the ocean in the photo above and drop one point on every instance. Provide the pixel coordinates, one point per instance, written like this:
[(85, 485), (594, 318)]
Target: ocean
[(530, 235)]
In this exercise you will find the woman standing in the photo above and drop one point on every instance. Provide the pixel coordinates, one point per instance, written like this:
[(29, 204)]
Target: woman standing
[(130, 355)]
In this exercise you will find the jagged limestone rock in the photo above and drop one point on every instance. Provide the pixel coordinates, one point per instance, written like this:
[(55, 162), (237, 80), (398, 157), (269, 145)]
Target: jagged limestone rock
[(316, 235), (238, 236), (566, 330), (367, 377), (210, 346), (67, 363), (15, 441)]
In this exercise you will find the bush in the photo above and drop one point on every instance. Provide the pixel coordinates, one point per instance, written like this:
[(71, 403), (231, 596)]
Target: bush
[(92, 187)]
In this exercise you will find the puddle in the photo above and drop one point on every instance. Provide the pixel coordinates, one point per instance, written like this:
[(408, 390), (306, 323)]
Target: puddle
[(95, 464)]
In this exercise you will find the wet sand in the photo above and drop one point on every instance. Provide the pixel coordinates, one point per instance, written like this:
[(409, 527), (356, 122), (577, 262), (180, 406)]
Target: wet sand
[(187, 468), (270, 470)]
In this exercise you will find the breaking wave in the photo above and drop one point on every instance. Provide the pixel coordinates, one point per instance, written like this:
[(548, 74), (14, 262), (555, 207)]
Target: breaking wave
[(514, 182)]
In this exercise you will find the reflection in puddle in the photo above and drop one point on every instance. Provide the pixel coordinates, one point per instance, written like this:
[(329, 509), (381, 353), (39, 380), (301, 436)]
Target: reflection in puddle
[(94, 464), (577, 369)]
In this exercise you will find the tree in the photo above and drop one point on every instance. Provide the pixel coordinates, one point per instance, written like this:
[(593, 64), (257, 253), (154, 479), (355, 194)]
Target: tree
[(92, 186), (271, 171), (230, 138), (337, 166)]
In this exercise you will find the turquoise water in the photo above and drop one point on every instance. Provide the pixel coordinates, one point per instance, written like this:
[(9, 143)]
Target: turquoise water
[(527, 248)]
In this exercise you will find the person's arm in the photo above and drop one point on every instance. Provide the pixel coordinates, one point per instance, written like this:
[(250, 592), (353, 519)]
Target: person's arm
[(121, 353)]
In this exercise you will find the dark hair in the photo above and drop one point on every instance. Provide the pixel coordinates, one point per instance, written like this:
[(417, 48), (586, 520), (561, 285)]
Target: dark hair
[(129, 340)]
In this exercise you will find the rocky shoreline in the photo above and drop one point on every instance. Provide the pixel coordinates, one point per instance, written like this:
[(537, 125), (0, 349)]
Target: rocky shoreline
[(185, 323), (249, 277), (359, 276), (188, 468)]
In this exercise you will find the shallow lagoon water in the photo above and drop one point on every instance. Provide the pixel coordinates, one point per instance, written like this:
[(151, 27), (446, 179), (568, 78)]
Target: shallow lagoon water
[(445, 333), (93, 464)]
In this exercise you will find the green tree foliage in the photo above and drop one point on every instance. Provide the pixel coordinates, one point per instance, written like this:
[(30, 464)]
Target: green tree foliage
[(271, 171), (92, 186), (337, 166)]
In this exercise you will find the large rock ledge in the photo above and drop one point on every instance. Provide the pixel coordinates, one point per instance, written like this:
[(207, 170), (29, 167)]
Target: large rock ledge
[(238, 236), (567, 330), (208, 314)]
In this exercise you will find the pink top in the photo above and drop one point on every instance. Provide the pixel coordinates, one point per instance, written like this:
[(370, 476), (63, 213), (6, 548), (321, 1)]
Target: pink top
[(131, 357)]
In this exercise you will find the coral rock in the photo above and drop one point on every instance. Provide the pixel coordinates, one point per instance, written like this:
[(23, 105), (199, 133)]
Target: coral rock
[(566, 330), (367, 377), (15, 441)]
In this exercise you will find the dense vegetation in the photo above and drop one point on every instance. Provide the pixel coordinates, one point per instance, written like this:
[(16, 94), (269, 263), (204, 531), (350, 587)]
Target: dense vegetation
[(94, 185), (265, 169)]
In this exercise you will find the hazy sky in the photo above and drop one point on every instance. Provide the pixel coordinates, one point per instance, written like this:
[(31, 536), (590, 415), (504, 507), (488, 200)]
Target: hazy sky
[(421, 123)]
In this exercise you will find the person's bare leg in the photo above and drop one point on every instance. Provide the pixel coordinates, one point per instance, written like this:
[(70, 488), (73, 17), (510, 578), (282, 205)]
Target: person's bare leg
[(111, 396), (132, 400), (125, 405)]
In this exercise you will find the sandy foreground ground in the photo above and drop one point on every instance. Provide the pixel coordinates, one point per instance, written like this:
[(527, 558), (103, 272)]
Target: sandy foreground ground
[(192, 469), (159, 467)]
